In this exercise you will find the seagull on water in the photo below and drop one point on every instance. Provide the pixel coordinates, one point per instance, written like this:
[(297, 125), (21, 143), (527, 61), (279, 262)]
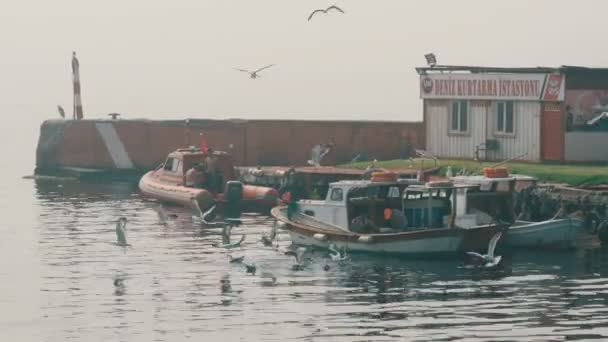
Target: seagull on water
[(236, 260), (268, 239), (121, 232), (254, 74), (299, 255), (61, 111), (250, 268), (163, 217), (324, 11), (488, 260)]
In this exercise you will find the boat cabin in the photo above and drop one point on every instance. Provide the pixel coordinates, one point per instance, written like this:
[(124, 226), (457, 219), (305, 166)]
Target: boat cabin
[(173, 169), (407, 205)]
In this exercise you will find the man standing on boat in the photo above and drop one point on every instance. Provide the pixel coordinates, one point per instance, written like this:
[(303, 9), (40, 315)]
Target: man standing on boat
[(213, 175), (195, 177)]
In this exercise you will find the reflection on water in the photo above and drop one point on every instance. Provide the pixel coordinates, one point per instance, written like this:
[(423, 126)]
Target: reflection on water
[(172, 284)]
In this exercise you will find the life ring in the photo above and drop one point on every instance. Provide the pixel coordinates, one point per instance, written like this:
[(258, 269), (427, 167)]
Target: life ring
[(496, 172), (384, 177)]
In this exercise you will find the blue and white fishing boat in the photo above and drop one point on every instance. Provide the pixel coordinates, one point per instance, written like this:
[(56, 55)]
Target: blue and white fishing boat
[(385, 215)]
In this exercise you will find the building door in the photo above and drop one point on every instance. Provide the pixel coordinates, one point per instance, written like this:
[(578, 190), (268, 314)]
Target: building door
[(552, 132)]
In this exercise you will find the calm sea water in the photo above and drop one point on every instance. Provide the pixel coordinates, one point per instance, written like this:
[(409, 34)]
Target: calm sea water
[(62, 277)]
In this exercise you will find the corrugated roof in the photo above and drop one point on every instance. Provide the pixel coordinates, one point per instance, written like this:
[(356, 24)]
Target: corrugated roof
[(484, 69)]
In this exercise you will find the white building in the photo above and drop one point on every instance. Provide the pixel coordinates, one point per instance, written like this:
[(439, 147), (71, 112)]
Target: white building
[(493, 113)]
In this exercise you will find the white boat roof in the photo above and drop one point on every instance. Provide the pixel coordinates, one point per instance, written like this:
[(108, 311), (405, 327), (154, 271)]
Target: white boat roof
[(366, 183), (478, 179)]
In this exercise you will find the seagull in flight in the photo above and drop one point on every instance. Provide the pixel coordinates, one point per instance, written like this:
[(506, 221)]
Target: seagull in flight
[(299, 255), (335, 254), (61, 111), (333, 7), (226, 234), (488, 260), (254, 74), (206, 217)]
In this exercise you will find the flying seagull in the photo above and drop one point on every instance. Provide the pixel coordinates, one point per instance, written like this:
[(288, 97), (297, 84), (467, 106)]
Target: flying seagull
[(226, 232), (254, 74), (335, 255), (61, 111), (299, 255), (324, 11), (488, 260), (121, 233), (204, 217)]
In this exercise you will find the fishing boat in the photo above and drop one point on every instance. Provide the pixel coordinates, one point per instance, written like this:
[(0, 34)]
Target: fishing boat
[(167, 183), (561, 233), (436, 217), (554, 233)]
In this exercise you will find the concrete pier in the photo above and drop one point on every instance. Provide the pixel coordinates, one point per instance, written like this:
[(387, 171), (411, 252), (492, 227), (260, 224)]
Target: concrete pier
[(135, 146)]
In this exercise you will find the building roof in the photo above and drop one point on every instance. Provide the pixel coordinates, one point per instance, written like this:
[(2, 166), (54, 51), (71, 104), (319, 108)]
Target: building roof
[(523, 70)]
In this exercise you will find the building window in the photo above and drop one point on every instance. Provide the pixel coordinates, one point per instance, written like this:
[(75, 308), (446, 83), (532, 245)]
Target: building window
[(504, 117), (459, 117)]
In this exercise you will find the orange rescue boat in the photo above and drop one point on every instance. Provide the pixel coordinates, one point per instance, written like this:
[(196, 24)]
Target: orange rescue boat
[(168, 183)]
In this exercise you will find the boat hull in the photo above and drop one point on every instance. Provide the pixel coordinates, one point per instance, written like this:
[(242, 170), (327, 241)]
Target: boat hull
[(560, 234), (429, 241), (255, 198)]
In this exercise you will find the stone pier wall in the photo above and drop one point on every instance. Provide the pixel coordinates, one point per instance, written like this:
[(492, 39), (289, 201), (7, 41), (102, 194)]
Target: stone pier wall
[(143, 144)]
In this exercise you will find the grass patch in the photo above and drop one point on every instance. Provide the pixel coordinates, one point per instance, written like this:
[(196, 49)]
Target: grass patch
[(575, 175)]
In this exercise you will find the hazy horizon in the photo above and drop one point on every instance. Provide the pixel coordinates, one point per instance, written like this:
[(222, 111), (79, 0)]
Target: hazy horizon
[(153, 59)]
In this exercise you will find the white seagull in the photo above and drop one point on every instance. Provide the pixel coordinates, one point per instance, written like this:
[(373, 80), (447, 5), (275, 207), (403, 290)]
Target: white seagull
[(226, 233), (254, 74), (324, 11), (299, 255), (203, 217), (335, 255), (121, 233), (268, 239), (488, 260)]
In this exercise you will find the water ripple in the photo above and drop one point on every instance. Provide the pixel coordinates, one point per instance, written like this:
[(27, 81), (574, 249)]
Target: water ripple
[(171, 283)]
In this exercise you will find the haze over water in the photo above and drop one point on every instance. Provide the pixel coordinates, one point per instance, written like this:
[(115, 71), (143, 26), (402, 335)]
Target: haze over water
[(153, 59)]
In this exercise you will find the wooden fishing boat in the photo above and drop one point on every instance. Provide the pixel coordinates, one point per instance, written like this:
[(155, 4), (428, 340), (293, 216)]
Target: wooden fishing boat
[(438, 217), (167, 183)]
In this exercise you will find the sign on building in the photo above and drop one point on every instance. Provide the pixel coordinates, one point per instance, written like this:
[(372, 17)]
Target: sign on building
[(523, 87)]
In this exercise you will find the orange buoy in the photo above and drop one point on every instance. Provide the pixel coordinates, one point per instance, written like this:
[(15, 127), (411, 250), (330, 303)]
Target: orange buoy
[(497, 172), (384, 177)]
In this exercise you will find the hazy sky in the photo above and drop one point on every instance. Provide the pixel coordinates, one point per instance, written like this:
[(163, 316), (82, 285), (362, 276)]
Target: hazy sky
[(174, 59)]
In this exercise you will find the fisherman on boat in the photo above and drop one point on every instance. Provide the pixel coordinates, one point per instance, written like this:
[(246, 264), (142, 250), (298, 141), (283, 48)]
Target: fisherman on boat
[(395, 219), (213, 176), (195, 176)]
